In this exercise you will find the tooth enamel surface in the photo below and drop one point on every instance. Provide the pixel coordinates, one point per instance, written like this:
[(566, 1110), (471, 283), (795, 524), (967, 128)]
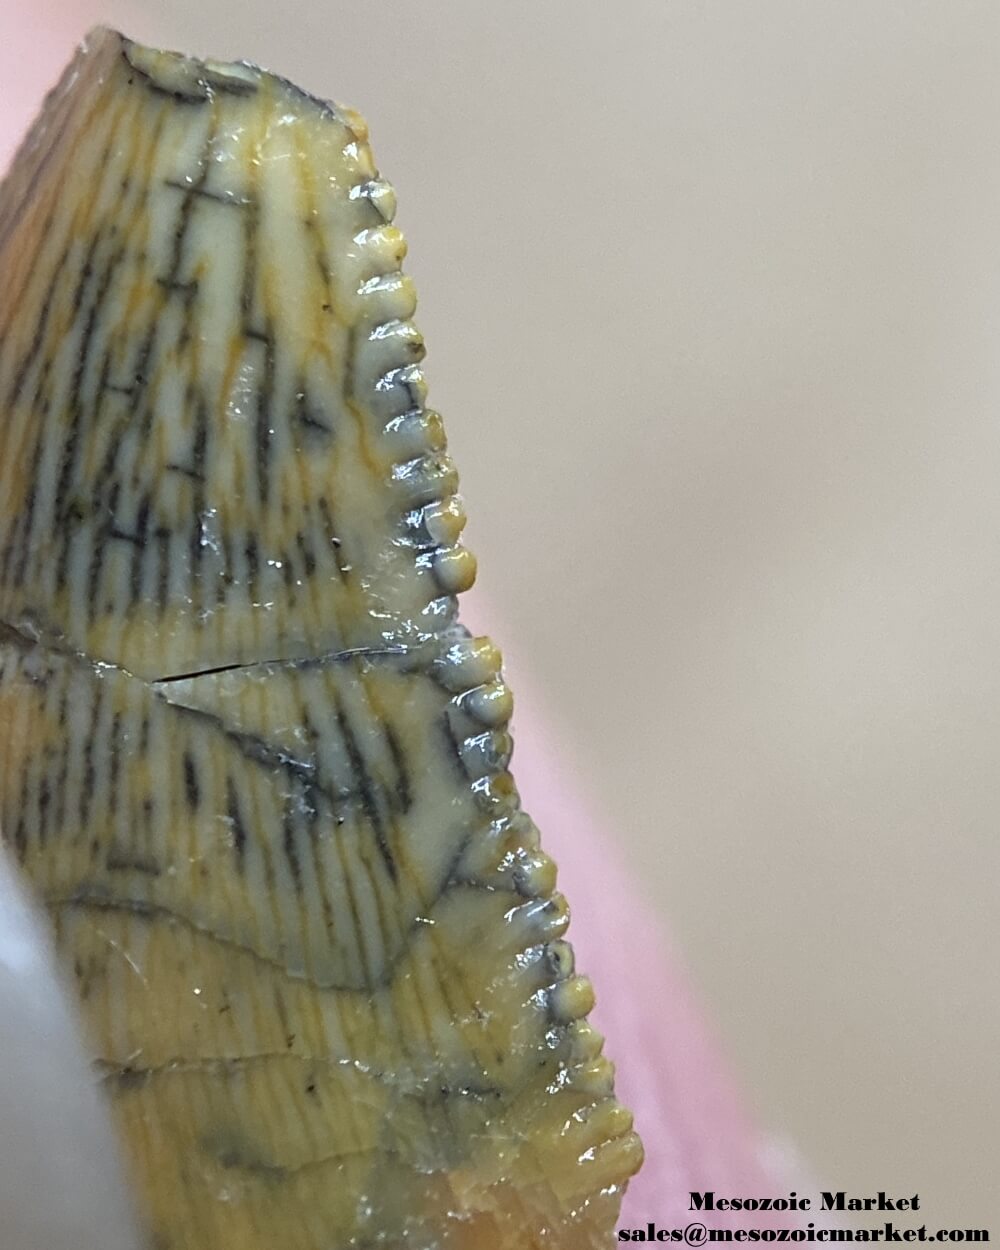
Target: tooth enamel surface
[(248, 756)]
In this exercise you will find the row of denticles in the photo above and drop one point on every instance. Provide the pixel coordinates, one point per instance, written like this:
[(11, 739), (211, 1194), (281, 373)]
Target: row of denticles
[(479, 713), (510, 858), (389, 379)]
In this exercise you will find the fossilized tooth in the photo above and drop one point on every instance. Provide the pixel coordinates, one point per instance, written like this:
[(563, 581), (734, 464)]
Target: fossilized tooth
[(250, 759)]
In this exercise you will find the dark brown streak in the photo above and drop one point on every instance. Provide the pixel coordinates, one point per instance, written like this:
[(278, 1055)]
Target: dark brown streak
[(87, 786), (192, 791), (117, 861), (150, 83), (231, 201), (261, 753), (265, 405), (290, 845), (404, 792), (343, 565), (196, 549), (26, 518), (63, 498), (236, 821), (100, 899), (39, 336), (366, 787)]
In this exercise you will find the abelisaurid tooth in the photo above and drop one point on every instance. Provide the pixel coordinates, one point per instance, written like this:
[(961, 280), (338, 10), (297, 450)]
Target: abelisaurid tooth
[(254, 766)]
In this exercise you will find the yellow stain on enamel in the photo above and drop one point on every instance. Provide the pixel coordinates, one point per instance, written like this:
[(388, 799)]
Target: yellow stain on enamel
[(254, 765)]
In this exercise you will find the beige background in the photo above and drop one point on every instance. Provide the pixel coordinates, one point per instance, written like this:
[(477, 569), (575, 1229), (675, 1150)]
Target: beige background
[(712, 294)]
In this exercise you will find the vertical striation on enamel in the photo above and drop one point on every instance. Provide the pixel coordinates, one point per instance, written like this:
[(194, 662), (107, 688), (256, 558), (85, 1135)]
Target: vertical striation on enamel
[(249, 757)]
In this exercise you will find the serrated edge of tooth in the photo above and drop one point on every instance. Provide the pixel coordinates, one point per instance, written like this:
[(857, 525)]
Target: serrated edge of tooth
[(388, 349)]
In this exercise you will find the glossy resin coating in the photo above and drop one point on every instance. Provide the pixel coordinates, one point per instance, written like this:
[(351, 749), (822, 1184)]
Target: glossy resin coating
[(248, 756)]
